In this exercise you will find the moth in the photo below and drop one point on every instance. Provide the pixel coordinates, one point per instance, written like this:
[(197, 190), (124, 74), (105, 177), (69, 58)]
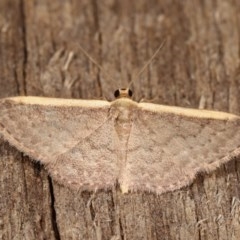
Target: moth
[(95, 144)]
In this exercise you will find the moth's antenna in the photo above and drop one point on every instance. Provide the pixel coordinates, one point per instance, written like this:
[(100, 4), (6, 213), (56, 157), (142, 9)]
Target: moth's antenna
[(147, 63), (95, 62)]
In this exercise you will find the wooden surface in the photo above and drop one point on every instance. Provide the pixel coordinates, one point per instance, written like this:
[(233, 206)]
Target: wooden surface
[(39, 55)]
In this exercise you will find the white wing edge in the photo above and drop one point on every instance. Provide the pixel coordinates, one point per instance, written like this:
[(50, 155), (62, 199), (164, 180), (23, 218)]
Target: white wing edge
[(31, 100), (197, 113)]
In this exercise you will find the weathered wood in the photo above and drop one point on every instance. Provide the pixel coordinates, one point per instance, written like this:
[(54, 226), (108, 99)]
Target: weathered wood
[(39, 55)]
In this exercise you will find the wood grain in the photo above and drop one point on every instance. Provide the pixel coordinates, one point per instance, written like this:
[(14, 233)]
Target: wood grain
[(39, 56)]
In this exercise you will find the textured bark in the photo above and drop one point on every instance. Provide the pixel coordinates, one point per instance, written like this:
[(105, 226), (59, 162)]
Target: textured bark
[(39, 55)]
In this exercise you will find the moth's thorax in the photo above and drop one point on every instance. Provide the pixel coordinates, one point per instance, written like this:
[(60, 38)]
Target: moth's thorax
[(124, 102), (123, 108)]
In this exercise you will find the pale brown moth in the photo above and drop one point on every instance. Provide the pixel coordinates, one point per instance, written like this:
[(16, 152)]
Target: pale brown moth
[(94, 144)]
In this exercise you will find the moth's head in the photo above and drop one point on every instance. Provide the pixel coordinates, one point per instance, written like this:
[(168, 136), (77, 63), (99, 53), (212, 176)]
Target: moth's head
[(123, 93)]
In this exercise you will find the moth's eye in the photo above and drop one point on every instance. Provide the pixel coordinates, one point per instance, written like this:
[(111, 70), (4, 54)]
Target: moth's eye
[(117, 93), (130, 93)]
